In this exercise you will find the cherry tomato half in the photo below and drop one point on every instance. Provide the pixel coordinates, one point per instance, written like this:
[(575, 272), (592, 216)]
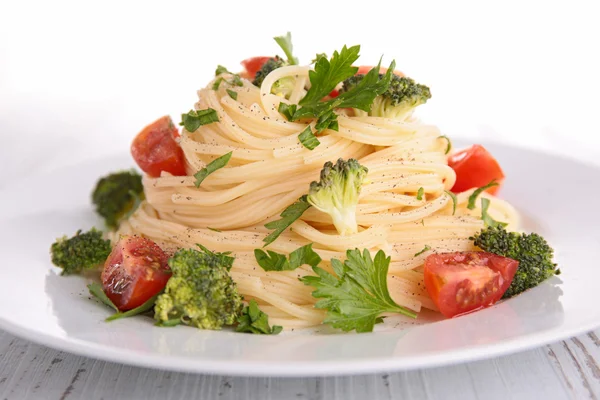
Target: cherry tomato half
[(475, 167), (459, 283), (252, 65), (155, 149), (135, 271)]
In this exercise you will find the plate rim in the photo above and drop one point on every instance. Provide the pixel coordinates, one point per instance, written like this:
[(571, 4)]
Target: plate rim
[(294, 368)]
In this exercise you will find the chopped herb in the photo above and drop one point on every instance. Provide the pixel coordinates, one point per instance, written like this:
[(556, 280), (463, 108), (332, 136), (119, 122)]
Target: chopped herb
[(211, 167), (217, 83), (287, 110), (477, 192), (423, 222), (278, 262), (487, 219), (221, 70), (358, 295), (285, 42), (253, 320), (97, 291), (420, 193), (288, 216), (233, 94), (426, 248), (235, 80), (196, 118), (449, 147), (308, 139), (454, 201), (214, 229)]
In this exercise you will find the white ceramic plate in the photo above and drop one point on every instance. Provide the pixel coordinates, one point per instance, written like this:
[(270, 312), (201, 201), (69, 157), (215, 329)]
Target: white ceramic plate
[(556, 197)]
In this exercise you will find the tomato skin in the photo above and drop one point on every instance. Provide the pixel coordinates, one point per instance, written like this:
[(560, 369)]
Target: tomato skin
[(364, 69), (253, 65), (475, 167), (462, 282), (155, 149), (135, 271)]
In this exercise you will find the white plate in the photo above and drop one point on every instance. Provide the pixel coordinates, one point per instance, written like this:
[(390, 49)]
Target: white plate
[(556, 196)]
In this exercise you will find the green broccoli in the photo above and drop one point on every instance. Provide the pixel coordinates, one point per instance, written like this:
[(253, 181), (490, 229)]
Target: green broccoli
[(117, 195), (283, 87), (532, 251), (200, 292), (398, 101), (80, 252), (337, 193)]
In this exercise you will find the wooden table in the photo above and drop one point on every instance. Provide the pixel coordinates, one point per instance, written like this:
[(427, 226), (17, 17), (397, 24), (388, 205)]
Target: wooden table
[(564, 370)]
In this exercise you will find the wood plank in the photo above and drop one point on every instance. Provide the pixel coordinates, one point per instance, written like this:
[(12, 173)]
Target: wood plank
[(563, 370)]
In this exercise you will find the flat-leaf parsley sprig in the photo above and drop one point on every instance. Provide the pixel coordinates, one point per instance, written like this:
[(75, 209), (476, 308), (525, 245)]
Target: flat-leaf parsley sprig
[(358, 295)]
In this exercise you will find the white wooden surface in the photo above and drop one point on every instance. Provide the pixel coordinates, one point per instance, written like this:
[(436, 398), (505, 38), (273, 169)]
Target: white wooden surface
[(565, 370)]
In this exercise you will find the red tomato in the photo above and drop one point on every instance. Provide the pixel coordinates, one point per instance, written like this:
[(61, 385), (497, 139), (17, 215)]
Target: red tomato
[(154, 149), (475, 167), (363, 69), (459, 283), (252, 65), (135, 270)]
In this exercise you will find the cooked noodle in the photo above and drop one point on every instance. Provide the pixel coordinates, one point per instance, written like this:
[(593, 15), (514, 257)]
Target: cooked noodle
[(270, 169)]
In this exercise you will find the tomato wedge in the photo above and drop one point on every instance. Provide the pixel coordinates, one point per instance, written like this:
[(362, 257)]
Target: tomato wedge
[(135, 271), (155, 149), (252, 65), (475, 167), (459, 283)]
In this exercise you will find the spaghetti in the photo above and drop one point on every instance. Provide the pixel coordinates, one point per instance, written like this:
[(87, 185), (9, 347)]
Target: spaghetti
[(404, 208)]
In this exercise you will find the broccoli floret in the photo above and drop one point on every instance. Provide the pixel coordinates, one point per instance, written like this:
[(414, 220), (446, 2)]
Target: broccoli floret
[(397, 102), (283, 87), (80, 252), (337, 193), (200, 292), (116, 195), (532, 251)]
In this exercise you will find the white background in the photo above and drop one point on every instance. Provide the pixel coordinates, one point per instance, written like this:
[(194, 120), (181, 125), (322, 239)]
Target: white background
[(79, 79)]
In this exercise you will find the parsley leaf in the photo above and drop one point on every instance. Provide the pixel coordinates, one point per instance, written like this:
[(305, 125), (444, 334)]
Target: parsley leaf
[(328, 73), (308, 139), (253, 320), (426, 248), (285, 42), (278, 262), (487, 219), (358, 295), (477, 192), (287, 110), (211, 167), (97, 291), (232, 93), (361, 97), (420, 193), (288, 216), (196, 118), (319, 55), (454, 201)]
